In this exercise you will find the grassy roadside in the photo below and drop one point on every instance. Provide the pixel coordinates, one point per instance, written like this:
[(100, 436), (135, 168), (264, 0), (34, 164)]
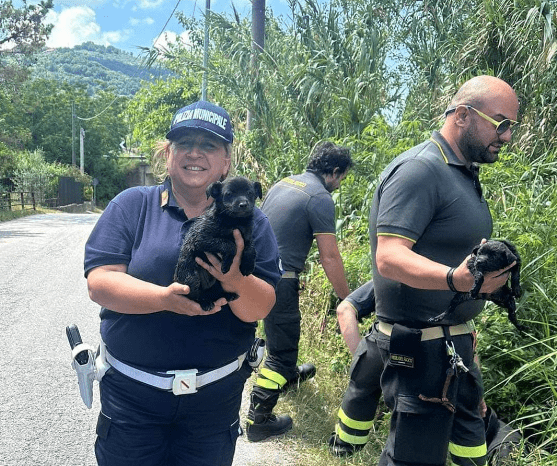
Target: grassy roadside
[(7, 215)]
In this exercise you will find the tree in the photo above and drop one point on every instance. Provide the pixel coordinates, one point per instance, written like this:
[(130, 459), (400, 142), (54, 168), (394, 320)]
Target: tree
[(22, 32), (323, 75), (23, 28), (149, 112)]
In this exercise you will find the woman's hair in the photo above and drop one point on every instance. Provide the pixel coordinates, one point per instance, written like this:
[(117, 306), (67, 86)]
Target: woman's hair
[(162, 149)]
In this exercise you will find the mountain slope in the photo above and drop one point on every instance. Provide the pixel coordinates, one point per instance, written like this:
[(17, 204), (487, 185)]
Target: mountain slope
[(96, 67)]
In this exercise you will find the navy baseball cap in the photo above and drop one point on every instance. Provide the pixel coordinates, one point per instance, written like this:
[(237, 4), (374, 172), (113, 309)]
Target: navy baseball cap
[(202, 115)]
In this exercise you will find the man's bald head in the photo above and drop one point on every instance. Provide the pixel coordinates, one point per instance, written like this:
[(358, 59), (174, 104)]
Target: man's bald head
[(480, 91)]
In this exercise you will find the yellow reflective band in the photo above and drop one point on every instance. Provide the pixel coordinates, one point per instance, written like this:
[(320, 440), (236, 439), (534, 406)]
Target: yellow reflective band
[(294, 182), (274, 376), (468, 452), (266, 383), (358, 425), (353, 439), (396, 236)]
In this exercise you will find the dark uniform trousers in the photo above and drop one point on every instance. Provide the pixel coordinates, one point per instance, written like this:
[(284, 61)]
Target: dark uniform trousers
[(422, 432), (142, 425), (359, 404), (282, 334)]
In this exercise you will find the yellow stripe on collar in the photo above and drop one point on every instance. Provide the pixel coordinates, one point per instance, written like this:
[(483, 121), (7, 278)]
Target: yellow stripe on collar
[(441, 149)]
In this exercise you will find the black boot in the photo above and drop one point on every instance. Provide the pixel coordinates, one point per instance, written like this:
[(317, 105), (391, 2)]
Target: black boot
[(305, 371), (341, 448), (262, 423)]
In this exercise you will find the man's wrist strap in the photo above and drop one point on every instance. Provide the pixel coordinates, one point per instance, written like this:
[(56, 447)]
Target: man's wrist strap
[(450, 280)]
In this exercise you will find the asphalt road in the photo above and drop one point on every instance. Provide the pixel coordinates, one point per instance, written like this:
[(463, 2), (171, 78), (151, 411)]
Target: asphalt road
[(42, 290)]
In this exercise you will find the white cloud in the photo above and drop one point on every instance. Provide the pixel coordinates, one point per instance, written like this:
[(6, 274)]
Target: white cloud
[(169, 37), (75, 25), (138, 21), (145, 4)]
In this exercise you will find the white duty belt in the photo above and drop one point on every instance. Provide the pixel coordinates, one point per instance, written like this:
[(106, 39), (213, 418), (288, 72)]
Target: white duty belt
[(181, 382)]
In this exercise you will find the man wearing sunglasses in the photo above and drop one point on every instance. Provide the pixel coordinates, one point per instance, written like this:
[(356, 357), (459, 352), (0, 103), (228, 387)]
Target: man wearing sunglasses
[(428, 213), (503, 130)]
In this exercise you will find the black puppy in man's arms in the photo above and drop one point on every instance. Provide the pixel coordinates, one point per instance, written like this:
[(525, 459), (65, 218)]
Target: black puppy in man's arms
[(212, 233), (487, 257)]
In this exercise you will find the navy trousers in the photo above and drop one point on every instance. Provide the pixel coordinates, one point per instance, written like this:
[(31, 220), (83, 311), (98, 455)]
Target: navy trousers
[(143, 426)]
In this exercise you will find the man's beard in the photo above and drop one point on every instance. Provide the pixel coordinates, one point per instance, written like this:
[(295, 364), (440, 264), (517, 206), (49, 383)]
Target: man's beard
[(474, 152)]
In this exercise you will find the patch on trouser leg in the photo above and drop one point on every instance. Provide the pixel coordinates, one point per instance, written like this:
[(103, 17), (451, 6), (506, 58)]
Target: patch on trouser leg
[(352, 431), (468, 456)]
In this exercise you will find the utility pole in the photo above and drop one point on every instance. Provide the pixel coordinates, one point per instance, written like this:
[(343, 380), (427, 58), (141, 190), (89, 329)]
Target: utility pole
[(73, 134), (257, 43), (82, 150), (206, 50)]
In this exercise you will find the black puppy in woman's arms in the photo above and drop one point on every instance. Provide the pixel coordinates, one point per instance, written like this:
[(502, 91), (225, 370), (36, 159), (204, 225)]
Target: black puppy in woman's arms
[(212, 233)]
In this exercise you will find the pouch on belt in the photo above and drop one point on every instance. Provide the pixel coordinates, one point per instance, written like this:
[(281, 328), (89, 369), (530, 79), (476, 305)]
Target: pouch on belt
[(404, 346)]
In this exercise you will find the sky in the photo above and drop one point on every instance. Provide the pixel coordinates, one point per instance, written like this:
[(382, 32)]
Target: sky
[(127, 24)]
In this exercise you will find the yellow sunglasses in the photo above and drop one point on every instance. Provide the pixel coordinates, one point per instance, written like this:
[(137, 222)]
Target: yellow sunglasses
[(501, 127)]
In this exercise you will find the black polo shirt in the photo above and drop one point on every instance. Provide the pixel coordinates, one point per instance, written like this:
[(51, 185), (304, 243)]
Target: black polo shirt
[(362, 299), (428, 196), (299, 207)]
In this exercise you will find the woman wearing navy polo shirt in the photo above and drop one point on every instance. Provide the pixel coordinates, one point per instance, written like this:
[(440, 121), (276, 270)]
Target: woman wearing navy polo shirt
[(173, 392)]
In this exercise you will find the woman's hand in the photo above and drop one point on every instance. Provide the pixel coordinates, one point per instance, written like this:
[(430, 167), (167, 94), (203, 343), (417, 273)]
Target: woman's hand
[(256, 297), (178, 302)]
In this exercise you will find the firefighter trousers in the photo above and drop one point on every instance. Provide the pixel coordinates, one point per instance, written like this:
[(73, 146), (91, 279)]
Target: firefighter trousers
[(359, 404), (423, 430), (282, 335)]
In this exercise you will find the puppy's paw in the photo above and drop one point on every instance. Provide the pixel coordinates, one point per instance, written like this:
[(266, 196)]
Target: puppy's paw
[(230, 296), (206, 306), (226, 264)]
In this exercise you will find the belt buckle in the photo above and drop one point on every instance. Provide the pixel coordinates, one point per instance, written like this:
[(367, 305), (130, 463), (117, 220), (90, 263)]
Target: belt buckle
[(185, 382)]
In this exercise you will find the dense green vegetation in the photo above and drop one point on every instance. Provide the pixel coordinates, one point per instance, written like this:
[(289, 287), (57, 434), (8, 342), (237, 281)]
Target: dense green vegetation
[(375, 75)]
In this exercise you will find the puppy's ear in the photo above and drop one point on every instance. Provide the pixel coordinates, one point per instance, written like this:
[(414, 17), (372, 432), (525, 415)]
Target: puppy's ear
[(214, 190), (476, 249), (257, 188)]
